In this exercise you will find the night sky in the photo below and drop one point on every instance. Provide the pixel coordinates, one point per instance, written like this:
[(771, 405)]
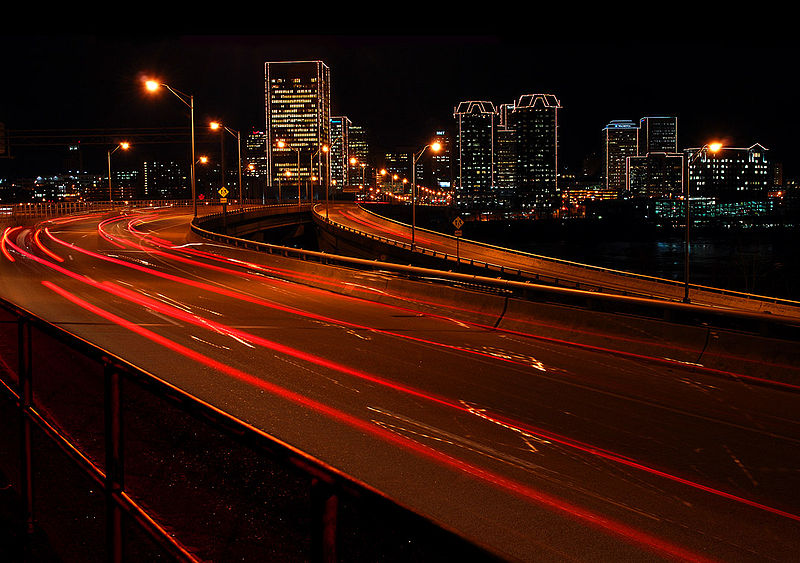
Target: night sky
[(738, 88)]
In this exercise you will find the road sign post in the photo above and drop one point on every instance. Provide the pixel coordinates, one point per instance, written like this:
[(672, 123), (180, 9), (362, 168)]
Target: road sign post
[(458, 222), (223, 192)]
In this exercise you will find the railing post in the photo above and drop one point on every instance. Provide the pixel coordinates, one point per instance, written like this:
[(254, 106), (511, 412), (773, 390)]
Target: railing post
[(324, 511), (114, 463)]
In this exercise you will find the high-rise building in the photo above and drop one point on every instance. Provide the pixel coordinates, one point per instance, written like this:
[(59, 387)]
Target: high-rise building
[(656, 174), (730, 174), (340, 151), (165, 180), (620, 141), (476, 123), (254, 167), (298, 101), (658, 134), (359, 148), (441, 163), (505, 159), (534, 119)]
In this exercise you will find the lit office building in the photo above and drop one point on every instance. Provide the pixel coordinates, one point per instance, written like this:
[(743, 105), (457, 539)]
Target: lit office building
[(254, 166), (398, 168), (359, 149), (620, 141), (505, 159), (298, 103), (441, 163), (730, 174), (656, 174), (340, 152), (476, 122), (165, 180), (658, 134), (534, 118)]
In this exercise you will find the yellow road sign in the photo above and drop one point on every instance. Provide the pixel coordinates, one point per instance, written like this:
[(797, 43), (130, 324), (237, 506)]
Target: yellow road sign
[(223, 191)]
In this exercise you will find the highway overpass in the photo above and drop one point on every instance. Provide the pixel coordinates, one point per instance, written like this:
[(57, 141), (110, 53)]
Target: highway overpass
[(352, 228), (540, 430)]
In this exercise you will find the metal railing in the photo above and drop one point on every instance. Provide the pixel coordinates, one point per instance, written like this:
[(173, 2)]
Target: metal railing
[(116, 463)]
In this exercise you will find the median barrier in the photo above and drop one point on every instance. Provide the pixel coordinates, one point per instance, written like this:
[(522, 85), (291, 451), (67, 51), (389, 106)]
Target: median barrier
[(759, 358)]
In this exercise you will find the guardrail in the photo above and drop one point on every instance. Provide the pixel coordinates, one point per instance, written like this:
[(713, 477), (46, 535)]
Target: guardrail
[(115, 463)]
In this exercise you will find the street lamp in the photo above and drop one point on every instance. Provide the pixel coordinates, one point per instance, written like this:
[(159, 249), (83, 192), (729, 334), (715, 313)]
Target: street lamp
[(124, 146), (152, 86), (326, 151), (435, 147), (284, 145), (322, 149), (217, 125), (713, 147)]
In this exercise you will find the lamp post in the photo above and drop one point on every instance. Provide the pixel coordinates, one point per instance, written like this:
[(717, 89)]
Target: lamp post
[(435, 147), (713, 147), (326, 150), (237, 134), (124, 146), (153, 85), (284, 145), (288, 174)]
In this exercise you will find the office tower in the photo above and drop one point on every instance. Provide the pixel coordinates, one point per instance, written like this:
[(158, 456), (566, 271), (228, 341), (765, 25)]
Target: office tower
[(655, 175), (359, 148), (534, 119), (165, 180), (476, 122), (730, 174), (398, 163), (441, 163), (254, 166), (620, 140), (658, 134), (341, 173), (505, 159), (298, 101)]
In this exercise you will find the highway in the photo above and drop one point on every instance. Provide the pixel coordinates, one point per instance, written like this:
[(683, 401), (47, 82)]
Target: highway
[(531, 266), (542, 451)]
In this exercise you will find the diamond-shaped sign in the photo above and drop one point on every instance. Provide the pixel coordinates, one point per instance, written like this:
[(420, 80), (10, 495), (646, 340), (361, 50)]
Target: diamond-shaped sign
[(458, 222), (223, 191)]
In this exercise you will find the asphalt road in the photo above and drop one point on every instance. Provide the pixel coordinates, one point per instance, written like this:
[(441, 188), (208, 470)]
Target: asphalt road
[(357, 218), (542, 451)]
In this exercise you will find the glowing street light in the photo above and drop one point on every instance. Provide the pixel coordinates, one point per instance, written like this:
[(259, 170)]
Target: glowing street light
[(124, 146), (188, 100), (216, 125), (435, 147), (713, 147), (284, 145)]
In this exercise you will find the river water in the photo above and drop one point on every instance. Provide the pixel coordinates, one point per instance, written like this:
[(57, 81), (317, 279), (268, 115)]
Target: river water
[(765, 262)]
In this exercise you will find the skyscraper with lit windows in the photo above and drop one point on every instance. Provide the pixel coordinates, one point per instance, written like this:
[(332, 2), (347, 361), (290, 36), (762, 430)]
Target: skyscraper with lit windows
[(340, 151), (658, 134), (534, 119), (476, 123), (730, 174), (441, 169), (298, 101), (620, 141)]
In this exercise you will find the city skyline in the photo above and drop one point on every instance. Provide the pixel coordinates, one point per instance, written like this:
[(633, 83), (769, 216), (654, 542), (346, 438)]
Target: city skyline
[(403, 88)]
